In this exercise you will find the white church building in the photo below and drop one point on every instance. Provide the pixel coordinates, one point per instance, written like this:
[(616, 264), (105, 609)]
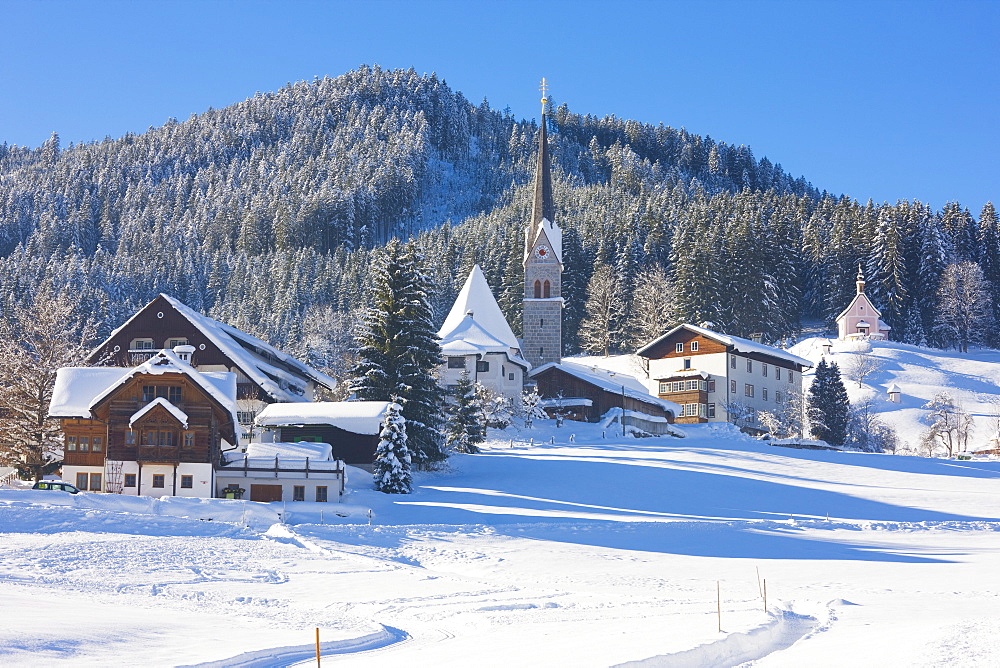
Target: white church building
[(476, 338)]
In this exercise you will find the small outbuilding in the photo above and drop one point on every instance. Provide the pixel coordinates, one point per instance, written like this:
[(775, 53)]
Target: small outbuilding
[(351, 428)]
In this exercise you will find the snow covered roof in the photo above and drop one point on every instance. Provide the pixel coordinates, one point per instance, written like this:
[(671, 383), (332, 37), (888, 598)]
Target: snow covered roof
[(78, 389), (259, 361), (477, 297), (610, 381), (735, 342), (893, 388), (554, 234), (160, 401), (470, 338), (301, 450), (359, 417), (853, 301)]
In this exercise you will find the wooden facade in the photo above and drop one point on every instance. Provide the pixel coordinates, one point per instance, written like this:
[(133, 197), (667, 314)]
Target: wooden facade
[(555, 382), (158, 436), (353, 449)]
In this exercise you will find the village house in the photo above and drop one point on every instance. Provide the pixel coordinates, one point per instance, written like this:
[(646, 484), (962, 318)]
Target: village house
[(861, 320), (264, 374), (477, 339), (718, 378), (589, 394)]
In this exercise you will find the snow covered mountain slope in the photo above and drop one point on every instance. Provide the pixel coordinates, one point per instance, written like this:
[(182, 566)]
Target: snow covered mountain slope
[(972, 379), (555, 547)]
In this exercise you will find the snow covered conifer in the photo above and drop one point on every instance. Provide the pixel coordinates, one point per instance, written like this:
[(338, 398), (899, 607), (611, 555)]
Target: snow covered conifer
[(392, 456), (398, 348), (464, 432), (829, 407)]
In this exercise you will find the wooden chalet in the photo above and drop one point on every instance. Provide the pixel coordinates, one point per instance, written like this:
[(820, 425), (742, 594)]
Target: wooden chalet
[(588, 393), (156, 430), (350, 427)]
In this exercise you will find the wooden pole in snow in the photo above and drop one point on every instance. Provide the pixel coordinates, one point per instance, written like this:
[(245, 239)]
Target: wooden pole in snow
[(765, 594), (317, 647), (718, 603)]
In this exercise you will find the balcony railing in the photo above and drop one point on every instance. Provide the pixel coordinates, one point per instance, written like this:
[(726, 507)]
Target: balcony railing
[(159, 453)]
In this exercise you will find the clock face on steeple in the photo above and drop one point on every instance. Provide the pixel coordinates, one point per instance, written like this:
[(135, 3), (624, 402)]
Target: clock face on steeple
[(541, 251)]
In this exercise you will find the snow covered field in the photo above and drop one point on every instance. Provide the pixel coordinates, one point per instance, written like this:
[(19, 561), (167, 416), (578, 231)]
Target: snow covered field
[(595, 552)]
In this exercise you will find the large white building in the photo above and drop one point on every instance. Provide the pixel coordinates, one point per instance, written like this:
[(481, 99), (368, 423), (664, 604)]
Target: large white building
[(715, 377), (476, 338)]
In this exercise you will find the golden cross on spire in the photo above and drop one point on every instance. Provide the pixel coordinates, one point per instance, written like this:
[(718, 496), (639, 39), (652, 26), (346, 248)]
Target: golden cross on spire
[(545, 90)]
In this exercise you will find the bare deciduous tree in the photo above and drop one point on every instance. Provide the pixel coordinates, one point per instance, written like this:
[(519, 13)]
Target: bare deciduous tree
[(600, 327), (950, 426), (963, 306), (652, 302), (36, 340), (862, 365)]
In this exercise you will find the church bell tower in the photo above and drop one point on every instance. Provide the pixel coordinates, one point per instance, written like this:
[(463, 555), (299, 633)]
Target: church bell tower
[(543, 302)]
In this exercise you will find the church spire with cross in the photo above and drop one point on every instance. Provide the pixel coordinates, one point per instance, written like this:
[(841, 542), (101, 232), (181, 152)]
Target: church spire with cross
[(543, 303)]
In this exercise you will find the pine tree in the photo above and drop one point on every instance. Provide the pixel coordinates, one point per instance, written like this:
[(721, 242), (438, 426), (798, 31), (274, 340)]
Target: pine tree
[(829, 407), (392, 456), (398, 348), (464, 432)]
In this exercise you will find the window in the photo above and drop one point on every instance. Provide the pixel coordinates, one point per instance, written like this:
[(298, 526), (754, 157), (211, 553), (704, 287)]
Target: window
[(503, 370), (171, 394), (482, 367), (141, 344), (664, 388), (546, 289), (189, 439), (321, 493), (789, 376), (711, 385), (691, 385), (81, 480), (456, 362), (702, 411), (130, 480), (158, 480), (173, 343), (187, 481), (84, 444), (763, 369), (299, 493), (541, 322), (748, 390), (158, 437), (711, 410), (732, 361), (95, 482), (694, 346), (732, 386), (749, 366), (97, 444), (541, 351), (687, 362), (71, 443), (510, 376), (777, 373), (679, 348), (777, 397), (129, 437), (763, 393), (538, 289)]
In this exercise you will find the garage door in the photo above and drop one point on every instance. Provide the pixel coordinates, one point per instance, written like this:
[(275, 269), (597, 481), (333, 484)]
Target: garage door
[(265, 492)]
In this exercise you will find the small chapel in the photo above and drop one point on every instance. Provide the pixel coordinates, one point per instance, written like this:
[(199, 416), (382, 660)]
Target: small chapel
[(861, 319)]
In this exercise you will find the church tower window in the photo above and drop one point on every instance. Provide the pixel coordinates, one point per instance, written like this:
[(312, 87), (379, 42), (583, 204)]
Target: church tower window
[(546, 289), (538, 289)]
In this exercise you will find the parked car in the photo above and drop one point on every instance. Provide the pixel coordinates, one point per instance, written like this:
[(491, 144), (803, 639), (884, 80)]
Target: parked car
[(57, 485)]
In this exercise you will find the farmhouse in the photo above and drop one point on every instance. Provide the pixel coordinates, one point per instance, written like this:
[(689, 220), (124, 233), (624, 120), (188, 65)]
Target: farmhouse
[(587, 393), (719, 378), (264, 374)]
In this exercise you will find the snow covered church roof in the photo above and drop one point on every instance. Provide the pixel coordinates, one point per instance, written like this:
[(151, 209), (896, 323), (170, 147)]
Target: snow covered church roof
[(477, 297), (358, 417), (470, 338), (735, 342), (278, 374)]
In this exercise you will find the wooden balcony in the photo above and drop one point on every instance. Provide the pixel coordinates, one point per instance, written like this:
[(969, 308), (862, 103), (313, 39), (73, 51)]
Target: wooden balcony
[(158, 454)]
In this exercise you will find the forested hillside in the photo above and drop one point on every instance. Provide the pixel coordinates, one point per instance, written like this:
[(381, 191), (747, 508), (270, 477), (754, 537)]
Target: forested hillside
[(264, 214)]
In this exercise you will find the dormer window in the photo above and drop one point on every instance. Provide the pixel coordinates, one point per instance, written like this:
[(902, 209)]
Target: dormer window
[(173, 343), (168, 392), (141, 344)]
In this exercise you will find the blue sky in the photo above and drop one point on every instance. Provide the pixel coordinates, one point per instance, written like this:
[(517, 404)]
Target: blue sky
[(878, 99)]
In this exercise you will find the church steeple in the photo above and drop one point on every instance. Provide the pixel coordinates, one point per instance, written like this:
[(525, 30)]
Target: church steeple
[(542, 315), (860, 282), (542, 204)]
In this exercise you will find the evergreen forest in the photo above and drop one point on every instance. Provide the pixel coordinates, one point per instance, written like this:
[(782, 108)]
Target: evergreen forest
[(266, 214)]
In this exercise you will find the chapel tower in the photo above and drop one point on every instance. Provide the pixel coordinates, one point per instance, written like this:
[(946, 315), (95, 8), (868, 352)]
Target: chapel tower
[(543, 302)]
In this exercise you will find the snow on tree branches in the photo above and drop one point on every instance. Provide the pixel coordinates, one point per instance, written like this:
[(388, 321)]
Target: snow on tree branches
[(829, 406), (392, 456)]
